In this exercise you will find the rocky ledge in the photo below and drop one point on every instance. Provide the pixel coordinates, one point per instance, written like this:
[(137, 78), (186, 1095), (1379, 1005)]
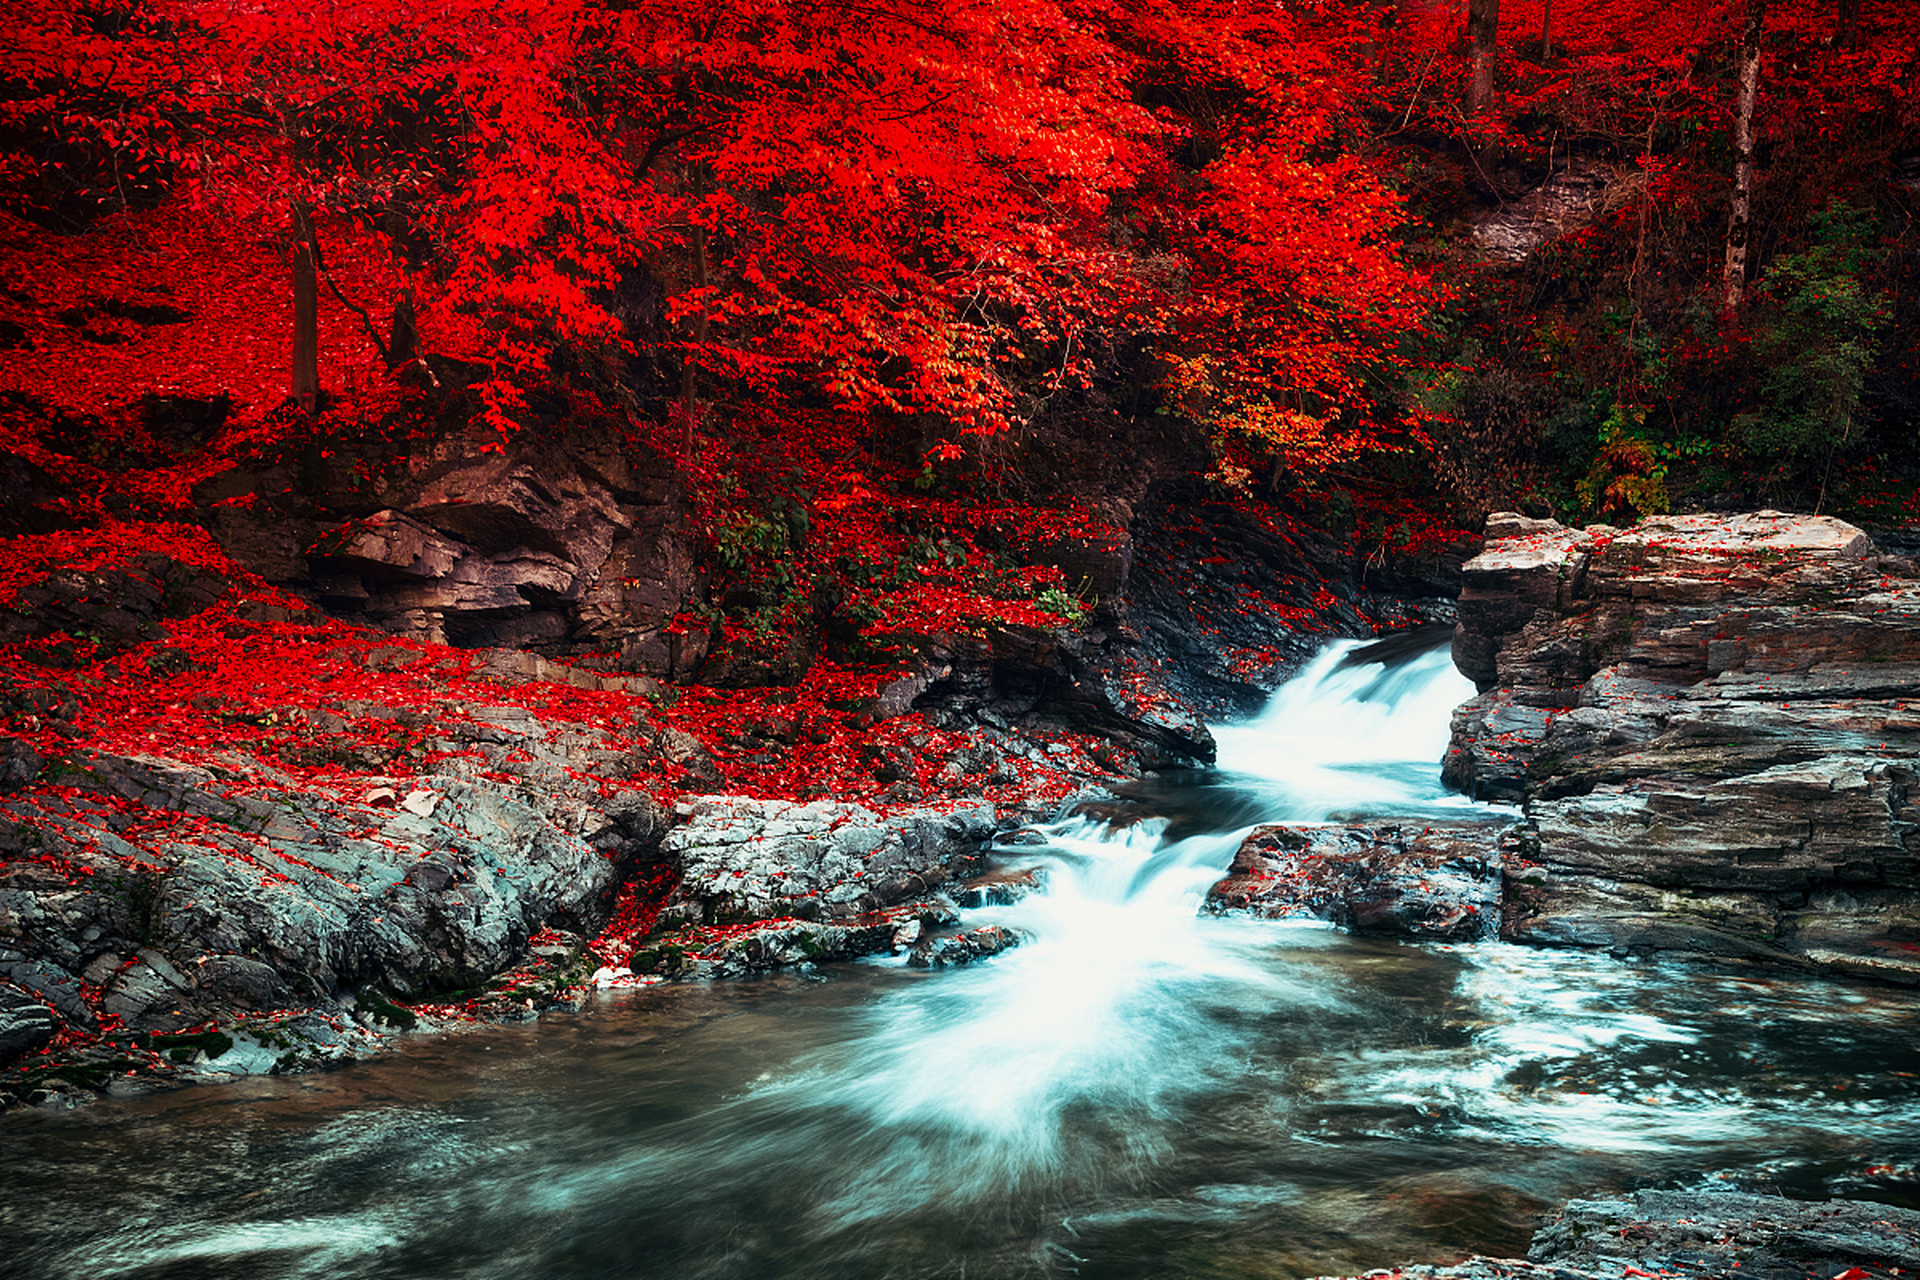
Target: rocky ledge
[(1712, 727), (1716, 1235)]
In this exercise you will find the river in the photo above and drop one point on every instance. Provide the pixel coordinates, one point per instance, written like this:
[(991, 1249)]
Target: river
[(1140, 1090)]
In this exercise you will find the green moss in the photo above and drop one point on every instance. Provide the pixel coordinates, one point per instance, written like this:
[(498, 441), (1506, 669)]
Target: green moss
[(182, 1047), (90, 1075), (380, 1008)]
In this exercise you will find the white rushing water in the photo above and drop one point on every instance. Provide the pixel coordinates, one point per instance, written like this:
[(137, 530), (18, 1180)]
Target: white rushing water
[(1139, 1089), (1073, 1053)]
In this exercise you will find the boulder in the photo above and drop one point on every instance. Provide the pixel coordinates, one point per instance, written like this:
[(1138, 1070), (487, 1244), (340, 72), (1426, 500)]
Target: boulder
[(743, 859), (1409, 882), (955, 950)]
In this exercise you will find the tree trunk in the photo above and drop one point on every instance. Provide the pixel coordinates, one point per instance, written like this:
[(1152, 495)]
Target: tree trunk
[(1846, 17), (306, 312), (1546, 32), (688, 368), (1739, 228), (1483, 39), (404, 346)]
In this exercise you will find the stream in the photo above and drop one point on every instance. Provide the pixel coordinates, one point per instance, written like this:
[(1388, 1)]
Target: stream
[(1139, 1090)]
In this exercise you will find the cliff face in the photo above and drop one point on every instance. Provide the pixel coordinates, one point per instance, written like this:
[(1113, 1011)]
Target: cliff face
[(1712, 724)]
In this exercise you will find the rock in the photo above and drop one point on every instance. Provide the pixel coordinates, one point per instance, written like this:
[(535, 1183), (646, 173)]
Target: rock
[(391, 545), (1702, 1235), (43, 979), (1685, 1234), (25, 1024), (1568, 200), (19, 763), (743, 859), (117, 607), (787, 945), (1227, 604), (574, 543), (1436, 883), (1031, 676), (959, 949), (1709, 722), (251, 891), (1508, 584)]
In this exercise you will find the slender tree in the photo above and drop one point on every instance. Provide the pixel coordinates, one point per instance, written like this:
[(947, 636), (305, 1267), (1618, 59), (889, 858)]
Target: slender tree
[(1483, 53), (1739, 221)]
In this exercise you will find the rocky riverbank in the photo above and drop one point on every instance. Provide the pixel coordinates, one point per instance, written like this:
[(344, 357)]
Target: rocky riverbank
[(268, 793), (237, 835), (231, 820)]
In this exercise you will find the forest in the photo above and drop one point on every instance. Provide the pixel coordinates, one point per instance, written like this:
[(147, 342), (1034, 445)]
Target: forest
[(1384, 264)]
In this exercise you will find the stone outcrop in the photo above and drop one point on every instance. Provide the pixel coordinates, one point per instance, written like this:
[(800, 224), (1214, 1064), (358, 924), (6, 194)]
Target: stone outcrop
[(148, 896), (1224, 601), (1713, 724), (568, 543), (1433, 883), (764, 884), (750, 859), (1025, 677)]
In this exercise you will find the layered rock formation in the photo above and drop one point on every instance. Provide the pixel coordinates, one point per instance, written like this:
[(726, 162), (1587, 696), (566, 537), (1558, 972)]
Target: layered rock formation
[(572, 544), (1713, 726)]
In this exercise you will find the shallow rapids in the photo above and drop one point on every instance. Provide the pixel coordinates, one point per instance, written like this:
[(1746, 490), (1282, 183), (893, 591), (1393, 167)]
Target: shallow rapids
[(1139, 1090)]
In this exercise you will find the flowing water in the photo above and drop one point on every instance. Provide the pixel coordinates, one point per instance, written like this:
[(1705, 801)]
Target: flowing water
[(1138, 1091)]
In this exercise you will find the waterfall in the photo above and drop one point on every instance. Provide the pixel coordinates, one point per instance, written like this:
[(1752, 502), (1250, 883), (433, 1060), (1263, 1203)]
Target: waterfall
[(1078, 1050)]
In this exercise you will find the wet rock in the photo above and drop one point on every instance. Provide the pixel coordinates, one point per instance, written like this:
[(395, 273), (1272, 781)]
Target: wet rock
[(1228, 602), (998, 888), (782, 946), (1436, 883), (247, 890), (1029, 676), (959, 949), (1699, 1234), (744, 859), (1709, 721), (25, 1024)]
